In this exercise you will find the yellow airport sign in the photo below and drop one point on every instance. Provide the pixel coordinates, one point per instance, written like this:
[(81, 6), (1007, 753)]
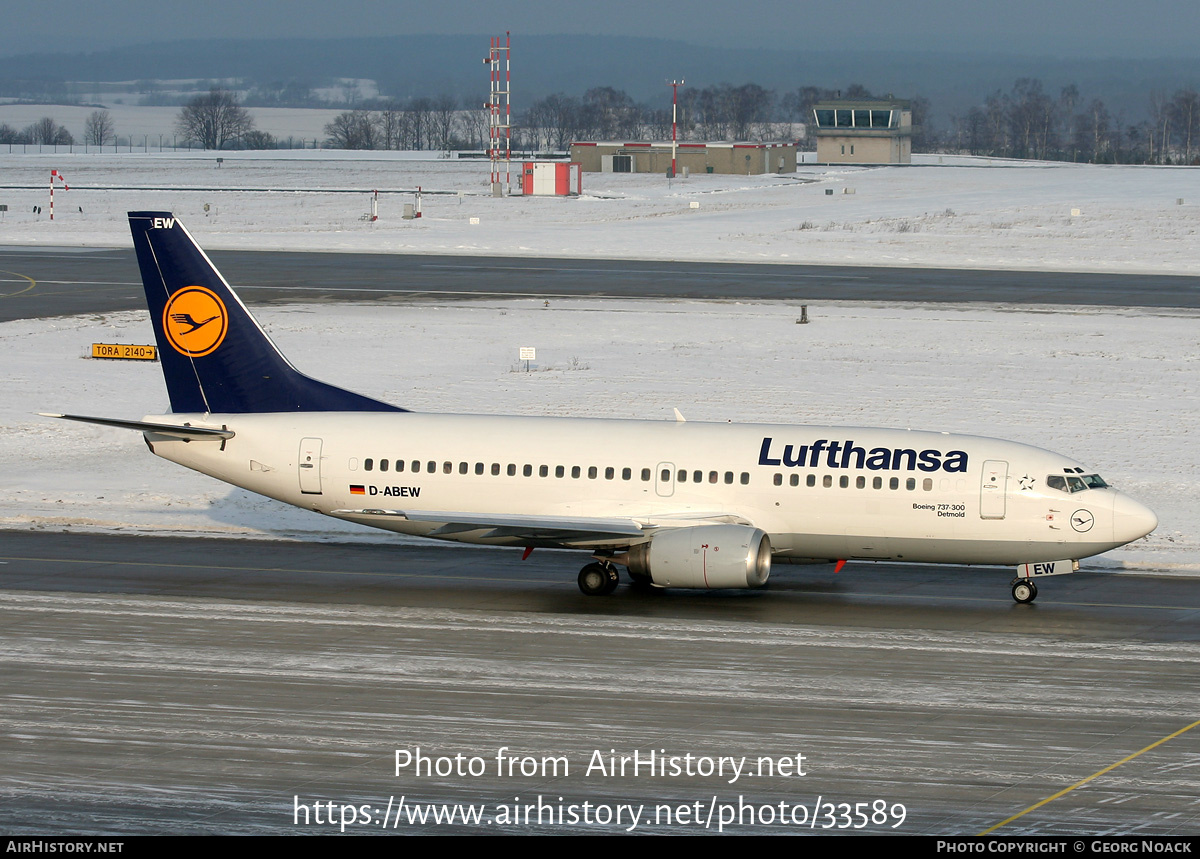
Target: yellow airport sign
[(125, 351)]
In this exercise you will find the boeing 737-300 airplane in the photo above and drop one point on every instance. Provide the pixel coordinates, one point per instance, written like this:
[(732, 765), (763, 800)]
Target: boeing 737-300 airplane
[(677, 503)]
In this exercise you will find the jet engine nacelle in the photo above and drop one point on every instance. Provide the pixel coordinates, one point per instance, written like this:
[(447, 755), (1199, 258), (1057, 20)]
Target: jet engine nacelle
[(705, 556)]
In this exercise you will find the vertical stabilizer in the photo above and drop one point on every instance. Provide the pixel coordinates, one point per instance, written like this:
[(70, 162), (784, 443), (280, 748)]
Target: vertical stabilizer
[(215, 356)]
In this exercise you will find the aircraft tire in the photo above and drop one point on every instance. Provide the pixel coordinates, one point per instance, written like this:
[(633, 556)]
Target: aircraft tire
[(1024, 591), (594, 580)]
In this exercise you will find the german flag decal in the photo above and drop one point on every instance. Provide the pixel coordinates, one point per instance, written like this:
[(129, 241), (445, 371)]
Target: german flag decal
[(357, 489)]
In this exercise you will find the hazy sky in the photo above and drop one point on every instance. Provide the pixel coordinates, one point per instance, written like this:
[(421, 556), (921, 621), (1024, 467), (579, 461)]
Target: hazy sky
[(1076, 28)]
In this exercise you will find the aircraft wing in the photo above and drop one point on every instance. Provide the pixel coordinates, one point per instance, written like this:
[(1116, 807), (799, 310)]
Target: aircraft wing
[(556, 529)]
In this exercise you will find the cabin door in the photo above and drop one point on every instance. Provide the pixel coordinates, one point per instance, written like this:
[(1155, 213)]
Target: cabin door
[(993, 489), (310, 466)]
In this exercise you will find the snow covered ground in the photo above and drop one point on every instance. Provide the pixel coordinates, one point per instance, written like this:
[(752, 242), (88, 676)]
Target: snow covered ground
[(1114, 388), (948, 211), (1088, 383)]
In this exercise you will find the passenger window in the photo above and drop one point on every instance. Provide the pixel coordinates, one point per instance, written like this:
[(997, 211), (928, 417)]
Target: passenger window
[(645, 474), (383, 465), (682, 476), (794, 480), (927, 484), (592, 472), (728, 477), (416, 466), (877, 483), (811, 480), (527, 470), (666, 475), (610, 473), (860, 482), (575, 471), (626, 474), (910, 484), (463, 468), (779, 480), (712, 477), (512, 469), (894, 483), (479, 468), (844, 481), (399, 464), (543, 471), (697, 477), (448, 467), (431, 467), (353, 463), (368, 464), (559, 471), (495, 469), (827, 481), (745, 478)]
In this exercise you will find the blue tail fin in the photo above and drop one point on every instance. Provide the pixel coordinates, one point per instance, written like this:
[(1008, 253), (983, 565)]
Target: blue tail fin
[(214, 356)]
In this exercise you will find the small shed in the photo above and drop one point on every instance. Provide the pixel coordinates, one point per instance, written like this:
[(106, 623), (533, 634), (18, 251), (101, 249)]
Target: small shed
[(556, 178)]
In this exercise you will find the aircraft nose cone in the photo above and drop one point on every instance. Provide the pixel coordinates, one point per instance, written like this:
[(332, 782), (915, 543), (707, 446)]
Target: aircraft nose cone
[(1132, 520)]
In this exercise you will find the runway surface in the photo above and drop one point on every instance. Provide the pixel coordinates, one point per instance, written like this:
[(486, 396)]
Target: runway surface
[(155, 685), (39, 282)]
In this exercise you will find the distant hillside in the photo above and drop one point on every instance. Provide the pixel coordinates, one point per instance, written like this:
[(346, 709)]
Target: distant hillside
[(429, 65)]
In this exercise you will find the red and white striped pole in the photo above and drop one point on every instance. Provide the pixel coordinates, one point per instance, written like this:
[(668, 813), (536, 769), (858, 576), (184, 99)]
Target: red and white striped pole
[(55, 175)]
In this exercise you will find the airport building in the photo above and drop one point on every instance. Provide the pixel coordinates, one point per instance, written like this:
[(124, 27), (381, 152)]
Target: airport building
[(746, 159), (872, 131)]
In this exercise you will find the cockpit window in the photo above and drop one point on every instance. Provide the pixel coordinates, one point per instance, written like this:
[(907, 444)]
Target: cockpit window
[(1071, 483)]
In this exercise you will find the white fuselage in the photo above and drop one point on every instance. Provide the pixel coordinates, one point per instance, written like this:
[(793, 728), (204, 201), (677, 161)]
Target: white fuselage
[(820, 493)]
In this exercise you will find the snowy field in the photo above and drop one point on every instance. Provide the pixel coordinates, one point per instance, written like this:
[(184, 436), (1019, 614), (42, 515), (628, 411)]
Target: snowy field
[(1089, 383), (962, 212), (1114, 388)]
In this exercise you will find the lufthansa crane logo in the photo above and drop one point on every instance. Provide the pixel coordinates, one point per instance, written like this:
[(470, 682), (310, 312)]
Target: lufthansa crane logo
[(1082, 520), (195, 321)]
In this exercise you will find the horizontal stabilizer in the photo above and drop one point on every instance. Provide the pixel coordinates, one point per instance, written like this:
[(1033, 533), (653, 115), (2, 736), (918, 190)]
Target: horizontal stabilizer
[(174, 430)]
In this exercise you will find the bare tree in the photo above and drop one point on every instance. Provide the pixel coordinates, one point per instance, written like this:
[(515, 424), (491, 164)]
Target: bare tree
[(389, 125), (354, 129), (99, 128), (49, 132), (476, 125), (417, 119), (214, 119), (444, 111), (1185, 107), (257, 139)]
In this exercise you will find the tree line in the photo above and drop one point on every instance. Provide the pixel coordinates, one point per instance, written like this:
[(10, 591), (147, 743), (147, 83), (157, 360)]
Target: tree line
[(1025, 122), (1028, 122)]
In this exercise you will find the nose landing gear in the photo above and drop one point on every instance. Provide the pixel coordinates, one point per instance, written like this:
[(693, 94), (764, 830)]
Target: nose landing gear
[(1024, 591)]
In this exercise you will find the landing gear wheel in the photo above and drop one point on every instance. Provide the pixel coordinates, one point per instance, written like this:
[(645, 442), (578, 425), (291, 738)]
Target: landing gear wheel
[(597, 580), (1024, 591)]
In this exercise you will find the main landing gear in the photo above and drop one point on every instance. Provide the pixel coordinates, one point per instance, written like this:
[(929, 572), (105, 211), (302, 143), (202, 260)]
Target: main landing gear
[(1024, 591), (599, 579)]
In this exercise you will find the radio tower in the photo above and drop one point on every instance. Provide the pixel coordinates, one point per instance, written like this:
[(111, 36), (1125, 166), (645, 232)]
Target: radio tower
[(499, 109)]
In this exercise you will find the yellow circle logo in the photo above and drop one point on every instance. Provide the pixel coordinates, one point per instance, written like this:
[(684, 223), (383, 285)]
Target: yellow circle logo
[(195, 321)]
